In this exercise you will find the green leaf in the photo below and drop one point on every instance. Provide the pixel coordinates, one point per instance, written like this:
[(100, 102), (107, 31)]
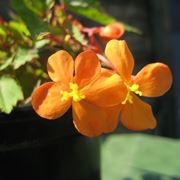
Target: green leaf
[(83, 3), (78, 35), (2, 31), (41, 43), (40, 6), (140, 157), (19, 28), (93, 11), (10, 93), (42, 35), (23, 56), (3, 54), (33, 22), (6, 63)]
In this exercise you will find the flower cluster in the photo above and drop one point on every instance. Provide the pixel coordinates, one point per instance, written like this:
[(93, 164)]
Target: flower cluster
[(100, 96)]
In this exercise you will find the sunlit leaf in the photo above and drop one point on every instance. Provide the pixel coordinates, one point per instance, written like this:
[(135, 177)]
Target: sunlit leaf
[(10, 93), (41, 43), (126, 156), (83, 3), (33, 22), (93, 11), (6, 63), (2, 31), (78, 35), (39, 7), (19, 28), (24, 55), (40, 36), (3, 54)]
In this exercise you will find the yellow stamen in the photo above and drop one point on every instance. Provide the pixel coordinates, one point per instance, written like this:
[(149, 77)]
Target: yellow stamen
[(132, 89), (135, 88), (75, 94)]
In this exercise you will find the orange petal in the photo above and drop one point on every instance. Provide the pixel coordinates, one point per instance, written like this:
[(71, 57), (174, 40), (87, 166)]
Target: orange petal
[(61, 67), (107, 90), (138, 115), (87, 68), (112, 31), (89, 120), (112, 119), (120, 56), (46, 101), (154, 79)]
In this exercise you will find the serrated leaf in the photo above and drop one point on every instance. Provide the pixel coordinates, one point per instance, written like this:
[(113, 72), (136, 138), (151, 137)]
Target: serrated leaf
[(78, 35), (23, 56), (10, 93)]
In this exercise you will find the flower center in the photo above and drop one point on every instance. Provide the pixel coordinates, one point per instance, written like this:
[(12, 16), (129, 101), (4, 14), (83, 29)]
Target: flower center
[(75, 94), (132, 89)]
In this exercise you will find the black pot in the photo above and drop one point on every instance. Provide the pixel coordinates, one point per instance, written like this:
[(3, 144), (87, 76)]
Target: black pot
[(33, 148)]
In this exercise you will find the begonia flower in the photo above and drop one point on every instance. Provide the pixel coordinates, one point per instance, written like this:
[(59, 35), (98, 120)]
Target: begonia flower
[(153, 80), (92, 92)]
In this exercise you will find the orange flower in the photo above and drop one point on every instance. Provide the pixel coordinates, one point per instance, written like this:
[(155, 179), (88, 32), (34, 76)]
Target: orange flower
[(82, 83), (152, 81), (111, 31)]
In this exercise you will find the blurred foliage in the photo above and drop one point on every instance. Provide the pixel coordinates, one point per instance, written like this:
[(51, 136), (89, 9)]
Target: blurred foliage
[(36, 30), (140, 157)]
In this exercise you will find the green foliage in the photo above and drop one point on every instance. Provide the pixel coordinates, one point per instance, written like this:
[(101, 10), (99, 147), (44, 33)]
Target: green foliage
[(33, 22), (140, 156), (41, 43), (83, 3), (90, 10), (3, 55), (7, 63), (2, 31), (78, 35), (38, 7), (19, 28), (10, 93), (23, 56)]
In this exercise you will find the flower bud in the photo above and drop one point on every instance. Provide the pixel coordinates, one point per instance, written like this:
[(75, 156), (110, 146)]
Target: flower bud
[(112, 31)]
